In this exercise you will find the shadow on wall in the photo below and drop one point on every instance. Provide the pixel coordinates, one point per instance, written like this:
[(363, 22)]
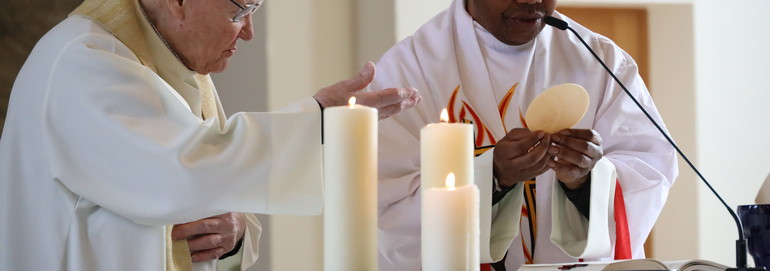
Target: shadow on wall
[(22, 23)]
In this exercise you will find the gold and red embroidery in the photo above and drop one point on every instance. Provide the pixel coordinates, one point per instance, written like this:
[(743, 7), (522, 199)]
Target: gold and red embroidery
[(503, 105), (484, 140), (529, 218)]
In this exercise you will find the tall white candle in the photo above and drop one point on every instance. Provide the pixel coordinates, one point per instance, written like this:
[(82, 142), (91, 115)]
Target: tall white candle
[(450, 232), (350, 183), (444, 148)]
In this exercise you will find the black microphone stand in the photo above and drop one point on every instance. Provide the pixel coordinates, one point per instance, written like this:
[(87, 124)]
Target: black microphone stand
[(740, 244)]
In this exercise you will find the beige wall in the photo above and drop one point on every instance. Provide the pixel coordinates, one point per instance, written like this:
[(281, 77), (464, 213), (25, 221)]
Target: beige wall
[(732, 111)]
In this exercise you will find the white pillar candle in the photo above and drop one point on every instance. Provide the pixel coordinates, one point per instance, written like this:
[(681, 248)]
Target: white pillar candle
[(450, 228), (350, 183), (444, 148)]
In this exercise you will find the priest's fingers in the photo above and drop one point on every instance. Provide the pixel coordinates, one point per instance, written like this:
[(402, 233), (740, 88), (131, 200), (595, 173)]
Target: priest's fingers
[(515, 161), (209, 241), (362, 79), (569, 156), (359, 81), (574, 158), (229, 224), (579, 147), (537, 167), (578, 139), (518, 142), (385, 97), (209, 254), (390, 101), (204, 226), (198, 227), (572, 176), (212, 237), (339, 93), (210, 246), (515, 155), (534, 153), (510, 174)]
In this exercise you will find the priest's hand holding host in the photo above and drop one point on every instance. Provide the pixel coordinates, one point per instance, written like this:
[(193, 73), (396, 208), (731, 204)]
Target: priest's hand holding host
[(575, 152), (523, 154)]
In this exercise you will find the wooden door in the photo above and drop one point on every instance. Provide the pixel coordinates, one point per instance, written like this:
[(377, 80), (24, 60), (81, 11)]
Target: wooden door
[(628, 28), (625, 26)]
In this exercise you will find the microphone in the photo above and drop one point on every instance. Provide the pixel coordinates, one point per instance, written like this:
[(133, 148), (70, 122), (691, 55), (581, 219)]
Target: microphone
[(740, 244)]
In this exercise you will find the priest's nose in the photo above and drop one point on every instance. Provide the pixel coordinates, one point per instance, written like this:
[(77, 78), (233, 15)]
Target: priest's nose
[(247, 30)]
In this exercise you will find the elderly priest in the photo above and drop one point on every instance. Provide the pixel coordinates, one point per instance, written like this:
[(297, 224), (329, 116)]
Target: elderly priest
[(117, 154)]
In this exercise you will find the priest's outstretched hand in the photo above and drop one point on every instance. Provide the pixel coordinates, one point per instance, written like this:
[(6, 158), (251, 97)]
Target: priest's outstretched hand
[(388, 101), (212, 237)]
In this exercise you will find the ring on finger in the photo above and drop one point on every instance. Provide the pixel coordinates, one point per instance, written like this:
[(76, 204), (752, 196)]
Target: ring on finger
[(533, 147)]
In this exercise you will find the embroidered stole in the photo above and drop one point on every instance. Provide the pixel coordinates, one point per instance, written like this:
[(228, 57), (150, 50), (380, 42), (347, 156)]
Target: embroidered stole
[(208, 102)]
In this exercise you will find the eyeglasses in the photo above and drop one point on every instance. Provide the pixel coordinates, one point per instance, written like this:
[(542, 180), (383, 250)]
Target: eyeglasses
[(245, 10)]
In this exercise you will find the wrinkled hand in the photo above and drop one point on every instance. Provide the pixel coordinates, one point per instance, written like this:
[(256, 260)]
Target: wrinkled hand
[(212, 237), (575, 153), (520, 156), (387, 101)]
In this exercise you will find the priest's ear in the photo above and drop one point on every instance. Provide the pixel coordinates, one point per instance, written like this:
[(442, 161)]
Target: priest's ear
[(175, 8), (160, 11)]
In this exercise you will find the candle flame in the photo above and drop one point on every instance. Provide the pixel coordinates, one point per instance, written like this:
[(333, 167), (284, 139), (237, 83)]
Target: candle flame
[(444, 115), (352, 101), (450, 181)]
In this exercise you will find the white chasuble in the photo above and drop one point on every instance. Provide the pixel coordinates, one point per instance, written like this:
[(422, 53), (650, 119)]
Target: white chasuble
[(107, 141), (489, 84)]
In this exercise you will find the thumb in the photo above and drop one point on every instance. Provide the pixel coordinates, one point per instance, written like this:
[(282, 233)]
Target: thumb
[(363, 78)]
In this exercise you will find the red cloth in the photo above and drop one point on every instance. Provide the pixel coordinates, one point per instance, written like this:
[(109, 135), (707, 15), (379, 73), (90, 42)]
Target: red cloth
[(622, 237)]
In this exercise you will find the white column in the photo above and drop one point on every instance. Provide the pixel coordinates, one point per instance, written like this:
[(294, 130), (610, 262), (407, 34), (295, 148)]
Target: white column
[(673, 85), (383, 23)]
